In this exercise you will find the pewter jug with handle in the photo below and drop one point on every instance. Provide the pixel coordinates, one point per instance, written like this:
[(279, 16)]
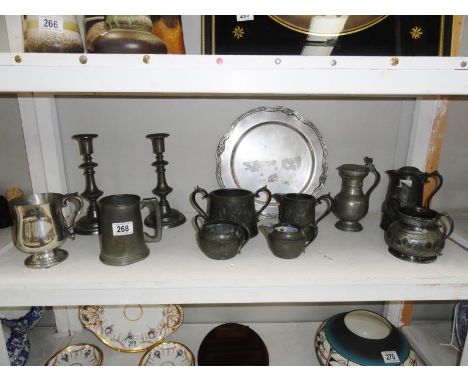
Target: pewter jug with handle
[(41, 228), (418, 234), (123, 240), (288, 241), (351, 204), (299, 209), (233, 204), (407, 186)]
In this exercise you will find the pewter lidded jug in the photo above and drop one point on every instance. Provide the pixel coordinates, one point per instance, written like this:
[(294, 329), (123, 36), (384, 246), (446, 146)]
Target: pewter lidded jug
[(351, 204), (406, 185)]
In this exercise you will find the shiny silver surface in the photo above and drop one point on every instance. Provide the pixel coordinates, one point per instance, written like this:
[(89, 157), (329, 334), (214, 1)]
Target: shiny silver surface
[(41, 228), (273, 146)]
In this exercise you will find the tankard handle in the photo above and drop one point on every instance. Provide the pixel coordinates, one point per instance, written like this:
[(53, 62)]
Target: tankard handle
[(194, 202), (439, 181), (257, 194), (442, 227), (329, 200), (153, 206), (78, 202)]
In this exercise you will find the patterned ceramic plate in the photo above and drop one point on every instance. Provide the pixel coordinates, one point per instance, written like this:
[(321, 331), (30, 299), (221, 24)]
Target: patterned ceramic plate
[(17, 345), (77, 355), (131, 328), (22, 318), (168, 354), (461, 321)]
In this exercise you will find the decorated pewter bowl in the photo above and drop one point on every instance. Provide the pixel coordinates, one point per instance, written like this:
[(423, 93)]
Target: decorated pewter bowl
[(361, 337), (168, 354), (77, 355)]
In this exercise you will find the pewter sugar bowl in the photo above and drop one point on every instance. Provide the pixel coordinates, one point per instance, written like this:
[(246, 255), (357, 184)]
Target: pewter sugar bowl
[(418, 234)]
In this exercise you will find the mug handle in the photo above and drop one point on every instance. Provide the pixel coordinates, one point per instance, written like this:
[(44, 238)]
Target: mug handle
[(194, 202), (197, 225), (439, 181), (78, 202), (257, 194), (446, 232), (315, 229), (329, 200), (153, 206)]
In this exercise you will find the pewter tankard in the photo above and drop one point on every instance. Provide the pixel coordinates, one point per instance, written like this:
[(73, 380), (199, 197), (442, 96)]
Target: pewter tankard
[(233, 204), (123, 240), (41, 228), (351, 203)]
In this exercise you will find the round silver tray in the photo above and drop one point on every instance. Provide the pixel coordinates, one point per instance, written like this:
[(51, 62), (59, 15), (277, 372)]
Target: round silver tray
[(272, 146)]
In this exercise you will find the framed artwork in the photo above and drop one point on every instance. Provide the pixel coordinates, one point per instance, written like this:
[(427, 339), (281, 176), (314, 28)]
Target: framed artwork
[(328, 35)]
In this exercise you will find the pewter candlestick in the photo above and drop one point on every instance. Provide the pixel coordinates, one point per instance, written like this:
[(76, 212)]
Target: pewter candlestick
[(170, 217), (89, 223)]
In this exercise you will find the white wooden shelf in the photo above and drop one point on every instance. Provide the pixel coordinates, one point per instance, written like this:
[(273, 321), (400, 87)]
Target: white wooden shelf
[(431, 341), (232, 74), (6, 240), (460, 232), (337, 266), (288, 344)]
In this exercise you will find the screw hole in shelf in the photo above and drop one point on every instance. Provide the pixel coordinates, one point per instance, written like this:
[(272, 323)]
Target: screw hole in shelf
[(83, 59), (18, 58)]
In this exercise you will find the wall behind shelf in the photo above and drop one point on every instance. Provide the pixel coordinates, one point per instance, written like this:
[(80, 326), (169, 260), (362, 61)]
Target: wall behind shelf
[(14, 170)]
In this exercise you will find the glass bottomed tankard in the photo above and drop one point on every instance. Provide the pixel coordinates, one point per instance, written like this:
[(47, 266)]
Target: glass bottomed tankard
[(41, 228)]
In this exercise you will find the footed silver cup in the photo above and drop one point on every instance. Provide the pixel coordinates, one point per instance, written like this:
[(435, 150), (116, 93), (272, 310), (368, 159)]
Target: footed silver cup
[(41, 228)]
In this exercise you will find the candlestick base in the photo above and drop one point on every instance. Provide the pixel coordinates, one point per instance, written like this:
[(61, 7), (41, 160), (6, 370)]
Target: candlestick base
[(171, 219), (87, 225)]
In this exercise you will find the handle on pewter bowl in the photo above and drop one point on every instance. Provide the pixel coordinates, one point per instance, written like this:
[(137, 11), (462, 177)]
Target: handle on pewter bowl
[(443, 228), (329, 200), (194, 202), (257, 194)]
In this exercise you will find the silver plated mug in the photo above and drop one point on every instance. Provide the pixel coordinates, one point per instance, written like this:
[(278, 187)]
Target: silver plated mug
[(41, 228), (123, 240)]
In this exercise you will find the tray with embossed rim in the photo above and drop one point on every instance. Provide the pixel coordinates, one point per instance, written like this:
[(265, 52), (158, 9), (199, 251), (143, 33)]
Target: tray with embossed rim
[(131, 328), (276, 147)]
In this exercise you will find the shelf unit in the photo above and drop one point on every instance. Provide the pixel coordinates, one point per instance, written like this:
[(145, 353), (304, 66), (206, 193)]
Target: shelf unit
[(369, 274)]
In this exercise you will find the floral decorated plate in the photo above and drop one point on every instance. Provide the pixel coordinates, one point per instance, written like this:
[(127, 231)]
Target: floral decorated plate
[(77, 355), (131, 328), (168, 354)]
